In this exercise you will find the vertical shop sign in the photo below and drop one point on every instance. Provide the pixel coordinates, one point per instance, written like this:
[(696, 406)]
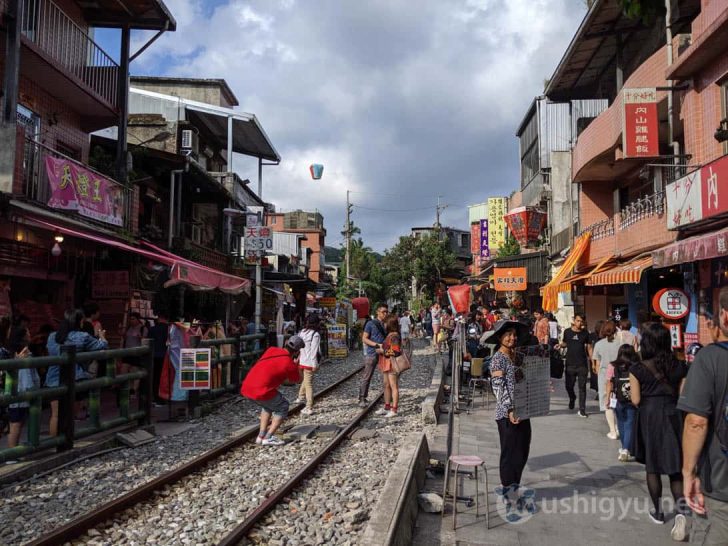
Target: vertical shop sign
[(640, 128), (484, 246), (475, 238), (497, 208), (676, 338), (195, 369)]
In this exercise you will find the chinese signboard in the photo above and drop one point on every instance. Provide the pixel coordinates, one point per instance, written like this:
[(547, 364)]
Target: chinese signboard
[(475, 238), (699, 195), (506, 279), (328, 303), (484, 248), (676, 339), (671, 303), (110, 284), (74, 188), (337, 341), (694, 249), (195, 369), (497, 208), (258, 240), (526, 224), (640, 128)]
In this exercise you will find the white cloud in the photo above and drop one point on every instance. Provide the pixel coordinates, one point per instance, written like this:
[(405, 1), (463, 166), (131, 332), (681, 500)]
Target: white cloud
[(390, 95)]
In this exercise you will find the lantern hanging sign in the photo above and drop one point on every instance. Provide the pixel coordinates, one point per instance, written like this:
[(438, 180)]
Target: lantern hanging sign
[(317, 171), (526, 224)]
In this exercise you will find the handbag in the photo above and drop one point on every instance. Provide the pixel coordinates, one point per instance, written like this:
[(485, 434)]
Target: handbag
[(400, 363)]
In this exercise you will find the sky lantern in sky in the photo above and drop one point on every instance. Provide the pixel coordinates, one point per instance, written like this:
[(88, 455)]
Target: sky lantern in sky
[(316, 171)]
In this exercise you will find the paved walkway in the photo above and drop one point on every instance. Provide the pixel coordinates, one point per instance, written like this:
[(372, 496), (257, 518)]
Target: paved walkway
[(583, 493)]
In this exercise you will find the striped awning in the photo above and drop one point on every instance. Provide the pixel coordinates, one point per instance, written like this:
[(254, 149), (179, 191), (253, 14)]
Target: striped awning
[(551, 290), (566, 285), (629, 273)]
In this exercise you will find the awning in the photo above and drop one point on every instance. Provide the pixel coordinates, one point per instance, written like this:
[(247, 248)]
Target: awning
[(183, 271), (565, 285), (693, 249), (551, 290), (629, 273)]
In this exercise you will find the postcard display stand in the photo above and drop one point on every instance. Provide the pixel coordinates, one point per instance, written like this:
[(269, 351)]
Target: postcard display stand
[(532, 396)]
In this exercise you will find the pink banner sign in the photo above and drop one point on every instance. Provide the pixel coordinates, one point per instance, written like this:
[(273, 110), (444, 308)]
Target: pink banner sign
[(74, 188)]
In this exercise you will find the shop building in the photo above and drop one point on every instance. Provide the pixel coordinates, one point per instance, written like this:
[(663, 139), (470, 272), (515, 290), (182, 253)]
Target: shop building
[(697, 204), (60, 85), (310, 225), (623, 159)]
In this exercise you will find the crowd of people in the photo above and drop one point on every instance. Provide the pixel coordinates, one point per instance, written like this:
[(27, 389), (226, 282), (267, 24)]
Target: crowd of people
[(669, 416)]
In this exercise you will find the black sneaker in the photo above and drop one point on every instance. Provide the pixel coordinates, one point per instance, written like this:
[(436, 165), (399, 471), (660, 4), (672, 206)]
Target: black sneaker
[(572, 403), (659, 519), (582, 414)]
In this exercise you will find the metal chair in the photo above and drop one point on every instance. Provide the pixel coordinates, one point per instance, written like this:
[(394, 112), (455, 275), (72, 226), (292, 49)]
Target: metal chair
[(467, 461), (477, 378)]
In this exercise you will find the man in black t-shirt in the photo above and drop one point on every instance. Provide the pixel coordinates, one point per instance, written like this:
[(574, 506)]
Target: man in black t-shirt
[(704, 399), (578, 350)]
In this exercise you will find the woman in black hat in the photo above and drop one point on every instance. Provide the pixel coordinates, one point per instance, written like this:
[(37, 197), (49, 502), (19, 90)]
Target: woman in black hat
[(514, 433)]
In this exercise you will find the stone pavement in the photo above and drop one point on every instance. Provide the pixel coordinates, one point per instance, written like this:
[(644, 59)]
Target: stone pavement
[(582, 492)]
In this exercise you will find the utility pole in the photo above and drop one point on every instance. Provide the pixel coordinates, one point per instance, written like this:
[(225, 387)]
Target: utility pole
[(437, 212), (347, 233)]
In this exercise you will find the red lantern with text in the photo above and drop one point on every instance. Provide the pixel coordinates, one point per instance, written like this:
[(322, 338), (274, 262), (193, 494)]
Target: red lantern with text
[(361, 305), (526, 224)]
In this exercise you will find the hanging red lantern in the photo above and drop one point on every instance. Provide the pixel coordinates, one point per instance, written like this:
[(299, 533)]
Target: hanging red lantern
[(526, 224)]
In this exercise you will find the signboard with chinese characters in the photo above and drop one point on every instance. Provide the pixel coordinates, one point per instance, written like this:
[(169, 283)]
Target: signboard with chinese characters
[(110, 285), (699, 195), (258, 241), (506, 279), (671, 303), (484, 247), (690, 338), (640, 127), (497, 208), (337, 341), (74, 188), (693, 249), (475, 238), (676, 339), (194, 369), (327, 302)]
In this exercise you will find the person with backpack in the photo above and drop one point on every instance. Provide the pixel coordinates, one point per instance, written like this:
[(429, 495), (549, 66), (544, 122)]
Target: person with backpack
[(705, 436), (618, 384), (655, 384), (308, 361)]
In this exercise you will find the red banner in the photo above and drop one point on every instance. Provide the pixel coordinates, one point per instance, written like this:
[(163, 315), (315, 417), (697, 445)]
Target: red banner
[(74, 188), (475, 238), (640, 134)]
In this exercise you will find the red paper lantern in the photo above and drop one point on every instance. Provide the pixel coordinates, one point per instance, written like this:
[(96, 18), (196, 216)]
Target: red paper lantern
[(526, 224), (362, 307)]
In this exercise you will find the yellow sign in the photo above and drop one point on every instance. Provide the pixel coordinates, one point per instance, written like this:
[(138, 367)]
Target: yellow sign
[(497, 208)]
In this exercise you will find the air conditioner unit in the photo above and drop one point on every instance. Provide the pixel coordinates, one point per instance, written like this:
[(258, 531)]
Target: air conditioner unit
[(189, 142)]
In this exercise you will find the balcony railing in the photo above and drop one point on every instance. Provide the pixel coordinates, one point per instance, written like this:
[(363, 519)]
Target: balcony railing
[(45, 25), (601, 230), (642, 208), (36, 185)]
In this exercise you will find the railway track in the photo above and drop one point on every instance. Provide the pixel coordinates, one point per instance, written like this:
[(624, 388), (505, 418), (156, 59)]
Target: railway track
[(204, 467)]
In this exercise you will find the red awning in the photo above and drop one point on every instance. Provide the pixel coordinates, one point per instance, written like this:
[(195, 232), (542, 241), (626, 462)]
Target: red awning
[(183, 271), (693, 249)]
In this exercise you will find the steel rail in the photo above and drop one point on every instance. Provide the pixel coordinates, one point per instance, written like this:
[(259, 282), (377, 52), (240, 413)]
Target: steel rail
[(240, 532), (76, 527)]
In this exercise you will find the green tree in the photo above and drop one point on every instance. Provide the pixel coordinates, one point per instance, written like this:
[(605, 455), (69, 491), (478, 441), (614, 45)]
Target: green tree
[(510, 248), (646, 10)]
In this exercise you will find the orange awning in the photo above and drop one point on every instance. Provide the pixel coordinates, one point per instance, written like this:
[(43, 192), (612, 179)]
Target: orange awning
[(629, 273), (565, 286), (551, 290)]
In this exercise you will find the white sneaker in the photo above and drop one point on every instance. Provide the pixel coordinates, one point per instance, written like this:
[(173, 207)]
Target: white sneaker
[(381, 411), (612, 435), (623, 455), (273, 441), (299, 401), (258, 440), (679, 528), (390, 414), (306, 411)]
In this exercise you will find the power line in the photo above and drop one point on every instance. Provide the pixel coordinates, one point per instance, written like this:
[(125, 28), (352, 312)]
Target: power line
[(393, 210)]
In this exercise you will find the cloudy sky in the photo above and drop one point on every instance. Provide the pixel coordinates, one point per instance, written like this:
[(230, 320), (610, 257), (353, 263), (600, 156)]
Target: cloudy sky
[(401, 100)]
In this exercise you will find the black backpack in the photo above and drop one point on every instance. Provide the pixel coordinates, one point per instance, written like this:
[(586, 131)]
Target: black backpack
[(620, 386), (721, 421)]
